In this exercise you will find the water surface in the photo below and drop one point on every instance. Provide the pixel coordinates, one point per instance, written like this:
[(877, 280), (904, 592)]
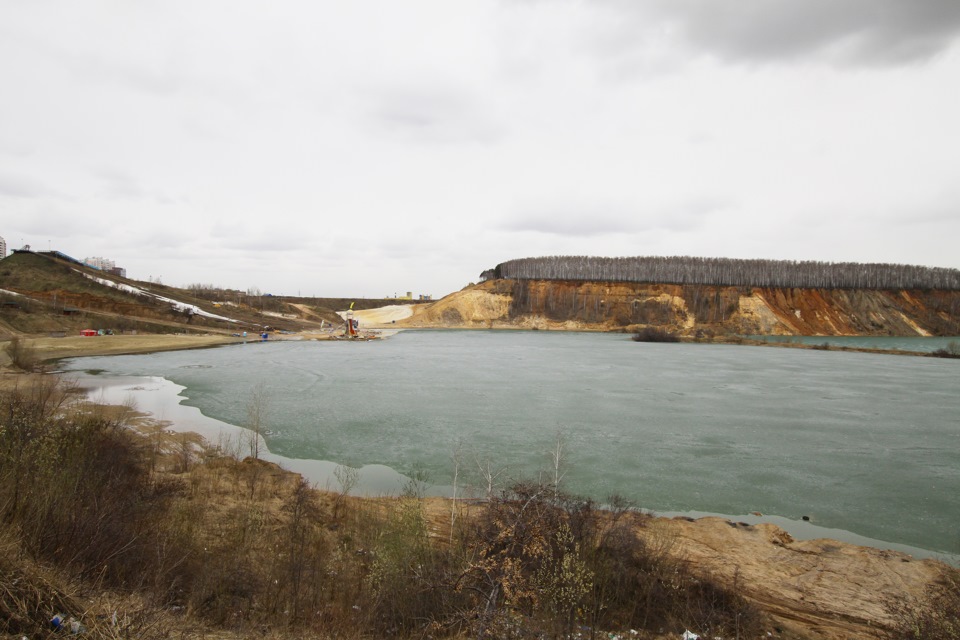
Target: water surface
[(865, 443)]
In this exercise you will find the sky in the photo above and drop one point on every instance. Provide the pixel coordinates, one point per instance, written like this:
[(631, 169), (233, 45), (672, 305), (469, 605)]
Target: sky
[(370, 148)]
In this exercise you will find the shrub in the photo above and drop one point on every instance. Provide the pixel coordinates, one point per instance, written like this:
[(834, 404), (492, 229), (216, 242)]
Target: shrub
[(952, 350), (653, 334), (543, 563), (75, 486), (22, 354)]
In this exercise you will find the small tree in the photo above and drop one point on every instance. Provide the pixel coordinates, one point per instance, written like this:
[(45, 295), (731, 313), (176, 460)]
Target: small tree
[(256, 414), (490, 475), (558, 460)]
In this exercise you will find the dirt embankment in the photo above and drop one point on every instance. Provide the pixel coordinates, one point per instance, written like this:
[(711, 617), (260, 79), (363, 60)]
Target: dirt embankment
[(818, 589), (692, 309)]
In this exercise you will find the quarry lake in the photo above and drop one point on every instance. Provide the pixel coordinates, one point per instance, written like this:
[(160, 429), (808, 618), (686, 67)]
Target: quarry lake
[(858, 442)]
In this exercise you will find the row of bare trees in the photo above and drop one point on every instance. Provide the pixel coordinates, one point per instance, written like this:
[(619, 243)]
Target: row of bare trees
[(728, 272)]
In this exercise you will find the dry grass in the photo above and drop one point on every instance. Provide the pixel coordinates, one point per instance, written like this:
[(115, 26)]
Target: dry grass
[(936, 617), (144, 533)]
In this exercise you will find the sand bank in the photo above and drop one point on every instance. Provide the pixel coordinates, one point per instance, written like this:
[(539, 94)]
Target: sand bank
[(49, 349)]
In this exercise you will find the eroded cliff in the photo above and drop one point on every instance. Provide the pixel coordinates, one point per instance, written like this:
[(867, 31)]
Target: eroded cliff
[(693, 310)]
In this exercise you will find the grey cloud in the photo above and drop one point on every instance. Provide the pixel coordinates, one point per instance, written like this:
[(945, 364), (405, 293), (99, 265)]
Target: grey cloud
[(566, 221), (123, 186), (851, 32), (601, 219), (17, 149), (266, 246), (690, 214), (264, 240), (943, 214), (120, 185), (166, 237), (164, 78), (433, 113), (23, 187), (49, 221)]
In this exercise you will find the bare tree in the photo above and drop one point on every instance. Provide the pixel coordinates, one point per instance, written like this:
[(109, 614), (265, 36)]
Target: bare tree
[(257, 405), (558, 459), (457, 457), (728, 272), (489, 474), (348, 477)]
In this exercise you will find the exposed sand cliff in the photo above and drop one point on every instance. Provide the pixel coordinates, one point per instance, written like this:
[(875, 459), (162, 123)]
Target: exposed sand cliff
[(689, 310)]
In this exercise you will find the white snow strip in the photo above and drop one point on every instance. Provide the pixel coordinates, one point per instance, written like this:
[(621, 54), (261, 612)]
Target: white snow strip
[(176, 304), (12, 293)]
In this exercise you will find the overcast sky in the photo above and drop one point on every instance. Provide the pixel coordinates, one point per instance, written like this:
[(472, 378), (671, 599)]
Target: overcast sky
[(370, 148)]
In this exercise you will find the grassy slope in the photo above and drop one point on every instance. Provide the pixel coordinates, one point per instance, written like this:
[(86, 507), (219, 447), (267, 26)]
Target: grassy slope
[(50, 286)]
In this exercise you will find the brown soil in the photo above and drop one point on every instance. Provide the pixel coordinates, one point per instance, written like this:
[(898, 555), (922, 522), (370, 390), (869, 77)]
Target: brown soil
[(823, 589), (692, 310)]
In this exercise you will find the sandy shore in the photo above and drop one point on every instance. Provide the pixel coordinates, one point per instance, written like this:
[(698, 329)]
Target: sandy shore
[(50, 349)]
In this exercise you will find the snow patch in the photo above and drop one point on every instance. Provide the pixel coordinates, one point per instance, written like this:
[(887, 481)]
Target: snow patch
[(176, 304)]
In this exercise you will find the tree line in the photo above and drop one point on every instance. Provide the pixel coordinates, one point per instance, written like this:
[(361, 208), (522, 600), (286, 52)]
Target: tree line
[(731, 272)]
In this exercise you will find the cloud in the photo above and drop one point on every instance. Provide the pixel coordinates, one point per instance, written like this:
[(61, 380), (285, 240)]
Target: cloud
[(47, 221), (587, 220), (15, 186), (847, 33), (432, 111), (120, 185), (567, 220)]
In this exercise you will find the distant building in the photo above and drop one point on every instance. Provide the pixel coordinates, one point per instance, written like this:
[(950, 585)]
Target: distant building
[(409, 296), (3, 248), (103, 264)]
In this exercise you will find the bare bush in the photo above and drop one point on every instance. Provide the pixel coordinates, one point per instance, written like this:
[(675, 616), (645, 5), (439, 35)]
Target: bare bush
[(23, 354), (544, 563), (952, 350), (653, 334), (76, 487)]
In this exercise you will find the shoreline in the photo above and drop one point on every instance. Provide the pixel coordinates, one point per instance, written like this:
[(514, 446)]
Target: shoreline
[(49, 350), (162, 400), (376, 480), (812, 582)]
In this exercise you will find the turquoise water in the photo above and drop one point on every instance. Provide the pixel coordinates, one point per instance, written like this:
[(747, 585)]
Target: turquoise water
[(864, 443)]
